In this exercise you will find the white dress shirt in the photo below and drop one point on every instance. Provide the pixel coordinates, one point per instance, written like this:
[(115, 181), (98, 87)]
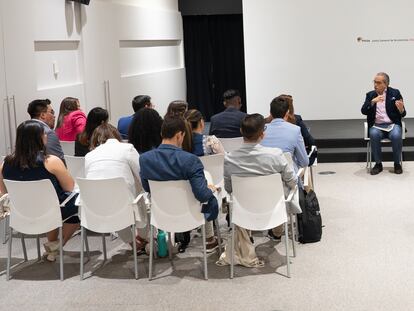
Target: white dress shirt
[(114, 159)]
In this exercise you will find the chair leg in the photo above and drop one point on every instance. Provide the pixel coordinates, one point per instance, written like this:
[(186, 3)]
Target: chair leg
[(292, 227), (6, 229), (218, 236), (134, 249), (61, 253), (39, 257), (170, 251), (83, 240), (287, 249), (151, 259), (23, 246), (232, 251), (104, 245), (86, 245), (203, 229), (9, 254)]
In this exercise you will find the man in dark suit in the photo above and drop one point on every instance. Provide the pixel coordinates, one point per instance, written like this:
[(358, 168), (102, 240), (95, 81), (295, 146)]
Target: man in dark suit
[(384, 108), (226, 124)]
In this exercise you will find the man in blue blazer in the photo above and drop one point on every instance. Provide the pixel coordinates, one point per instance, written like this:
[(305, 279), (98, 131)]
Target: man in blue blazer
[(384, 108), (226, 124), (285, 135), (140, 101)]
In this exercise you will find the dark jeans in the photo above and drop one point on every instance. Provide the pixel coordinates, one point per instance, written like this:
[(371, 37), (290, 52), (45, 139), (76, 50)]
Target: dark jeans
[(395, 135)]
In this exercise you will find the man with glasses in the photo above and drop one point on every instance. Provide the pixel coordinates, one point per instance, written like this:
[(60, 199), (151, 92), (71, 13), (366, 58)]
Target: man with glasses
[(41, 110), (384, 108)]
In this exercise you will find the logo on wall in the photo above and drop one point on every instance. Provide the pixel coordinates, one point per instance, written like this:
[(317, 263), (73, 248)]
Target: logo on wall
[(364, 40)]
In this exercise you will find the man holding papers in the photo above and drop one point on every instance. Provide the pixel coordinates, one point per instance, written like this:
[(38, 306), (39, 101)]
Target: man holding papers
[(384, 108)]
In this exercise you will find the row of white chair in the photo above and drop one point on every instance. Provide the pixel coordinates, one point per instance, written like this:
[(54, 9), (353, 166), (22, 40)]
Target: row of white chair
[(111, 210)]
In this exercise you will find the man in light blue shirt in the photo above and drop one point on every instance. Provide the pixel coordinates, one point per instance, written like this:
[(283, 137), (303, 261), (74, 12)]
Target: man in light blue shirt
[(284, 135)]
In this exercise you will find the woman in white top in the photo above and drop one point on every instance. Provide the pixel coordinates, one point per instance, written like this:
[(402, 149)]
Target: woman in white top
[(110, 158)]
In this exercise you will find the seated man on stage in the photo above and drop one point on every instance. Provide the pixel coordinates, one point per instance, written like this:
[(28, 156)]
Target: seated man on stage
[(384, 108)]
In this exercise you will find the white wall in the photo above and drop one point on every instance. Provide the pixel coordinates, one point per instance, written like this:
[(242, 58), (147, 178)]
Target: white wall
[(56, 48), (309, 49)]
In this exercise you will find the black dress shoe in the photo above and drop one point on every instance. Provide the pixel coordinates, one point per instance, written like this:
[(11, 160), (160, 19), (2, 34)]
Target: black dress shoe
[(398, 169), (376, 169)]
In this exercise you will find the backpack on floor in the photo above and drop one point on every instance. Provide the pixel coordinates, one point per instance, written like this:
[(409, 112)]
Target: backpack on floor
[(310, 221)]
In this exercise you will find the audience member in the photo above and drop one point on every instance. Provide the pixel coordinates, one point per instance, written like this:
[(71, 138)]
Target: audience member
[(202, 144), (226, 124), (297, 120), (178, 108), (145, 130), (110, 158), (284, 135), (384, 108), (252, 159), (30, 162), (41, 110), (170, 162), (96, 117), (139, 102), (71, 120)]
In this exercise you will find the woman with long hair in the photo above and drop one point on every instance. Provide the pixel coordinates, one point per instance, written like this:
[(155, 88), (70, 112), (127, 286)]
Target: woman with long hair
[(71, 120), (30, 162), (202, 144), (145, 130), (96, 117)]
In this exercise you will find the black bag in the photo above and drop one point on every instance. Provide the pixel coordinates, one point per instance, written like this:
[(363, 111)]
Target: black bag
[(310, 221)]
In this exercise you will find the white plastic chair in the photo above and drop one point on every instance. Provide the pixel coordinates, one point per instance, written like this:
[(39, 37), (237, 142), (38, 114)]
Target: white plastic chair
[(258, 203), (68, 147), (76, 166), (106, 206), (385, 140), (178, 215), (214, 164), (33, 214), (231, 144)]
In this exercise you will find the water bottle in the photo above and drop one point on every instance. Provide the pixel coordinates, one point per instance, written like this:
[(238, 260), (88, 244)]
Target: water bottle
[(162, 244)]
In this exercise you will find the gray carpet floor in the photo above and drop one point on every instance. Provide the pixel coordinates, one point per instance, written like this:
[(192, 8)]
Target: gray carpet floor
[(364, 262)]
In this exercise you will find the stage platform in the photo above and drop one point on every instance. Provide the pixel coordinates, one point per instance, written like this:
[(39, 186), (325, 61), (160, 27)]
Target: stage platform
[(342, 140)]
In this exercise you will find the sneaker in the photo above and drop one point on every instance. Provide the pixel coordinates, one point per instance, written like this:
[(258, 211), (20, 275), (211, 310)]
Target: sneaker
[(376, 169), (212, 245), (51, 246), (272, 236), (50, 256), (398, 168)]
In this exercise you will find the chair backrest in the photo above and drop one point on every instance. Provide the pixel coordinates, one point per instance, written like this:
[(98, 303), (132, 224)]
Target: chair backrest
[(231, 144), (76, 166), (68, 147), (34, 206), (258, 202), (181, 214), (105, 204), (214, 165)]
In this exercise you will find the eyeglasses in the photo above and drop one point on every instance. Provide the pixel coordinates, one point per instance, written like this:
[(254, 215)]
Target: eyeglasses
[(378, 82)]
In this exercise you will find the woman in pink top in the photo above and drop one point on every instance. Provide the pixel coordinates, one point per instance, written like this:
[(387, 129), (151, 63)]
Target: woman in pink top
[(71, 120)]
